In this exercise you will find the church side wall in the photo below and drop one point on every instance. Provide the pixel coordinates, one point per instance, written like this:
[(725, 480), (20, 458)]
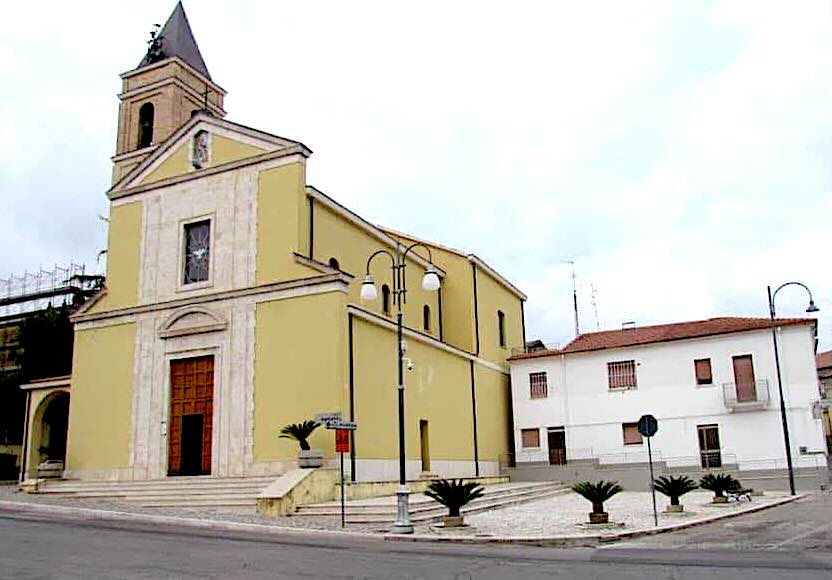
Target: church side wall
[(299, 371), (100, 412), (336, 237), (494, 417)]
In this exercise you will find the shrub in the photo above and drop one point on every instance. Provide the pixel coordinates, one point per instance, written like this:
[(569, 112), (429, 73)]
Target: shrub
[(597, 493), (454, 493), (674, 487), (300, 432), (719, 483)]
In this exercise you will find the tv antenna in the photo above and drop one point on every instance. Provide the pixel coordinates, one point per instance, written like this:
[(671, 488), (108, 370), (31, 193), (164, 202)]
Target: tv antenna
[(574, 296), (595, 306)]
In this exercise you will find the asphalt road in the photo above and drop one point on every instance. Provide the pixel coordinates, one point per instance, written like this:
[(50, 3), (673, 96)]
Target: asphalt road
[(36, 547)]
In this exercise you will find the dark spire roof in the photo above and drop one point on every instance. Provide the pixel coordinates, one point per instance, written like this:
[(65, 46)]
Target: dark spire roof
[(176, 39)]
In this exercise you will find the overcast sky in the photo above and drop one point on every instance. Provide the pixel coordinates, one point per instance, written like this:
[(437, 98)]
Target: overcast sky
[(678, 152)]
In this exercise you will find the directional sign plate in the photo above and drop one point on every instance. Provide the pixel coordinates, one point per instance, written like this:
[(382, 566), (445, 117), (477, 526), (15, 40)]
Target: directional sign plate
[(349, 425)]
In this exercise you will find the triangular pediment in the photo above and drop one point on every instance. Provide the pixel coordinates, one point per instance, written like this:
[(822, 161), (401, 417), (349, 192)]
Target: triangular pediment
[(203, 143)]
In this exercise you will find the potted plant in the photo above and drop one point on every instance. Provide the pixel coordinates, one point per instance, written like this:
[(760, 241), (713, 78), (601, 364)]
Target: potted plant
[(597, 493), (718, 483), (300, 432), (674, 488), (454, 494)]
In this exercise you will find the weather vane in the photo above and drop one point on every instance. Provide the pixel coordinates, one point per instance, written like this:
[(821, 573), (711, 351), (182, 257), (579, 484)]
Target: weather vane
[(154, 45)]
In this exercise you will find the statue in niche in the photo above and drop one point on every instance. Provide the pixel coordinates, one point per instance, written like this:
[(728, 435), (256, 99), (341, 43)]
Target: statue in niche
[(200, 150)]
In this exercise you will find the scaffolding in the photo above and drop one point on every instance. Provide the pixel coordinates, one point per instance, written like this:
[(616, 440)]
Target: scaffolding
[(33, 291)]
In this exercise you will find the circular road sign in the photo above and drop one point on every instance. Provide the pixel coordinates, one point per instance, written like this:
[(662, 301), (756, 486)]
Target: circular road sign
[(648, 425)]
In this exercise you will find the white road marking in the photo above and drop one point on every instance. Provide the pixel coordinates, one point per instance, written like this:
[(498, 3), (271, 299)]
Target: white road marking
[(801, 536)]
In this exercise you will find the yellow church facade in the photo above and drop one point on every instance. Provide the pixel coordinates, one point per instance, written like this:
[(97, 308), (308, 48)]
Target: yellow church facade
[(232, 308)]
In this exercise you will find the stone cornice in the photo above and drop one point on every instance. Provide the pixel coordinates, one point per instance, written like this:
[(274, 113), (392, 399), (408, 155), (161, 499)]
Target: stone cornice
[(338, 281), (296, 150), (180, 62)]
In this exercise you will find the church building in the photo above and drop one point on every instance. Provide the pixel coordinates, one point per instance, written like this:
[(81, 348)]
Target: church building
[(232, 308)]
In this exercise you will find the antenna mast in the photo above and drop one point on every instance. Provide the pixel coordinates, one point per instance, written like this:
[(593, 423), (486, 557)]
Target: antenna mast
[(595, 307), (574, 296)]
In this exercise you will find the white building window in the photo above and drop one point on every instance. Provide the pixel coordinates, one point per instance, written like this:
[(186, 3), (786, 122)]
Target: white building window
[(702, 367), (631, 434), (530, 438), (538, 388), (622, 375)]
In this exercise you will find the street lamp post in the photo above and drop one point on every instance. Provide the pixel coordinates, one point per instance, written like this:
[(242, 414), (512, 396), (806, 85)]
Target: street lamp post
[(811, 308), (430, 282)]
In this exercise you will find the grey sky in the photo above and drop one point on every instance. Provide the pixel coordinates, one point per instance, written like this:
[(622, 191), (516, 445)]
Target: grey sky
[(679, 152)]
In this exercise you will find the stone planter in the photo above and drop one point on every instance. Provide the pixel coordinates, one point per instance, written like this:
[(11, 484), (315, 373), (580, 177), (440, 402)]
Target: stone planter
[(453, 521), (51, 468), (602, 518), (310, 458), (718, 499), (675, 509)]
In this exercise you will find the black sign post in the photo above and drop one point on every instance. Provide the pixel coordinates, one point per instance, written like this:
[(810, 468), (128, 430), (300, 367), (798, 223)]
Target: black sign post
[(647, 426)]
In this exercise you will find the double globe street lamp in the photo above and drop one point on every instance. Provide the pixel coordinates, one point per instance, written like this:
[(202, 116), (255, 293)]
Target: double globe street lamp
[(430, 282), (811, 308)]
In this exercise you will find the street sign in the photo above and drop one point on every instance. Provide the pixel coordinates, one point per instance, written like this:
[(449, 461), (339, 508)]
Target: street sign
[(327, 417), (648, 425), (339, 424), (342, 441)]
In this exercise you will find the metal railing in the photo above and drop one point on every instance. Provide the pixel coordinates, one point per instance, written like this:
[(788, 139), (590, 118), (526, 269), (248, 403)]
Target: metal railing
[(747, 397)]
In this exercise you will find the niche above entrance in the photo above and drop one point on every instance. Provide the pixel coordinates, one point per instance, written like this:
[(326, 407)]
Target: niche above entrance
[(191, 320)]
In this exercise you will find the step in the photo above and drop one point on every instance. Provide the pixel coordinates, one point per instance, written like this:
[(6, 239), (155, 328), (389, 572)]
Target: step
[(159, 485)]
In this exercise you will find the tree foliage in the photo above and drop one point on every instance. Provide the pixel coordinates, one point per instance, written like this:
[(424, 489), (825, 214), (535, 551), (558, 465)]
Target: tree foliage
[(597, 493), (454, 493), (300, 432), (718, 483), (46, 343), (674, 487)]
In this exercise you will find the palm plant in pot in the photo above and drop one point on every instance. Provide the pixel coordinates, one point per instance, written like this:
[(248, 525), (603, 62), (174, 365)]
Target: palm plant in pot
[(597, 493), (454, 494), (718, 483), (301, 432), (674, 488)]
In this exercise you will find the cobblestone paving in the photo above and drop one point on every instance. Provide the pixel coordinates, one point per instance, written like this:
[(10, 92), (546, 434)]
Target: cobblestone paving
[(565, 514), (553, 516)]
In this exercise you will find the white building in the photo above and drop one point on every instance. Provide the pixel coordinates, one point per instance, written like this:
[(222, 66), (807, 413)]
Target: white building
[(711, 384)]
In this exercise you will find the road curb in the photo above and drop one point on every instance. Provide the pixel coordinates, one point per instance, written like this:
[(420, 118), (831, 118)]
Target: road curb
[(104, 516)]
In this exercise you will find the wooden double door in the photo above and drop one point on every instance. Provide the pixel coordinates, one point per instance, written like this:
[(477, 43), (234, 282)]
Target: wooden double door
[(191, 416)]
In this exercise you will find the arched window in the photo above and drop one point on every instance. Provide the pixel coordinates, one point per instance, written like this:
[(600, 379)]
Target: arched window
[(333, 263), (501, 327), (426, 317), (146, 114), (385, 299)]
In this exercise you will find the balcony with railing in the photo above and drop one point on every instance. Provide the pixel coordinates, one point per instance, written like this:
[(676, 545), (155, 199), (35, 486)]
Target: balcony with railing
[(746, 397)]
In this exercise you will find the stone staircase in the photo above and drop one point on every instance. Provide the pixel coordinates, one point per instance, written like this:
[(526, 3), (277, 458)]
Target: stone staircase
[(188, 492), (425, 510)]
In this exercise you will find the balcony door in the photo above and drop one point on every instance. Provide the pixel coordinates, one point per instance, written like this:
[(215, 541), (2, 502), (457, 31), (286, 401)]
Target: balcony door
[(744, 379)]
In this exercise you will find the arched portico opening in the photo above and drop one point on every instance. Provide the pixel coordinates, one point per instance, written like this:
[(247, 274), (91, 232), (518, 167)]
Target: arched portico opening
[(49, 429)]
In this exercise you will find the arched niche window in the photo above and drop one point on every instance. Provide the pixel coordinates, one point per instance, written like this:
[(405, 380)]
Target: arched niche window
[(146, 114), (426, 317), (385, 299), (333, 263), (501, 327)]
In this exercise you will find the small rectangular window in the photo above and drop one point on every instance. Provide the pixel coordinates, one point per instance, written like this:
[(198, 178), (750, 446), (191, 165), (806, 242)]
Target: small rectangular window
[(703, 371), (197, 252), (622, 374), (530, 437), (538, 388), (631, 434), (501, 327)]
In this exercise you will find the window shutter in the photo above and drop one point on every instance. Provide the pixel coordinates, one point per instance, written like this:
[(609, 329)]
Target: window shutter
[(530, 437)]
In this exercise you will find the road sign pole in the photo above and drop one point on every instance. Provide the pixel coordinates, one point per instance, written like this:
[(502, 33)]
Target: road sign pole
[(652, 481), (343, 513)]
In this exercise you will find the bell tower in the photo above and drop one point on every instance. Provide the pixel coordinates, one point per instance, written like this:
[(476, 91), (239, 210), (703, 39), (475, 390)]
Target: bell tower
[(169, 86)]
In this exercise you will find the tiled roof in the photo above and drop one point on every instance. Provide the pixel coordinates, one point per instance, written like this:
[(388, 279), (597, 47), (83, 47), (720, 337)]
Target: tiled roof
[(664, 333), (824, 363)]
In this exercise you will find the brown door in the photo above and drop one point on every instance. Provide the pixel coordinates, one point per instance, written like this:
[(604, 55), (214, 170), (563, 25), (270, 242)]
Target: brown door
[(424, 440), (191, 413), (557, 446), (709, 450), (744, 378)]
